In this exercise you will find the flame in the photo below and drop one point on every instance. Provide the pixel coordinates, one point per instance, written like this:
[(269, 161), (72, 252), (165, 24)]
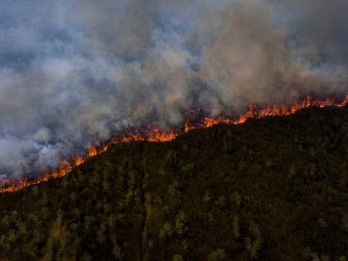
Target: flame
[(92, 151), (78, 160), (154, 134)]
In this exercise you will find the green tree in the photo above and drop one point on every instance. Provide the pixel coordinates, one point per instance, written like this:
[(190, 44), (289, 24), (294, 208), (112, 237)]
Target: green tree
[(235, 227), (217, 255), (180, 223)]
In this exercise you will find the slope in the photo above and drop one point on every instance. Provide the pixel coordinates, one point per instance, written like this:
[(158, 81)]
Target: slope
[(270, 189)]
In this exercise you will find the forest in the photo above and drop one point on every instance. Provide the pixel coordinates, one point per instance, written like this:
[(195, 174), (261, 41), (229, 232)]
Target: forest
[(269, 189)]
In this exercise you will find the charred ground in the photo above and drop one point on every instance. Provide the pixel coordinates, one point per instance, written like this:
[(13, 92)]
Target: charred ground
[(270, 189)]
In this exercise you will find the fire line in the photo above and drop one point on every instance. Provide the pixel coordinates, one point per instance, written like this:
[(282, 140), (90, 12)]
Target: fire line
[(156, 135)]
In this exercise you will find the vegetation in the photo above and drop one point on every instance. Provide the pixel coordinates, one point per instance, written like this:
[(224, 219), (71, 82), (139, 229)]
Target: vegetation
[(270, 189)]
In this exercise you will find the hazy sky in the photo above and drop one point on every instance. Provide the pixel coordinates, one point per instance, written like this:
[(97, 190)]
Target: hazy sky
[(74, 72)]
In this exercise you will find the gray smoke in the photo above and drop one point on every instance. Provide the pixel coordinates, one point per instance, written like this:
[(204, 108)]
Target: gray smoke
[(74, 72)]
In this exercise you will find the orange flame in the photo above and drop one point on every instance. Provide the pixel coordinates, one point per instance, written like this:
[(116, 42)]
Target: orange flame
[(156, 135), (92, 151), (78, 160)]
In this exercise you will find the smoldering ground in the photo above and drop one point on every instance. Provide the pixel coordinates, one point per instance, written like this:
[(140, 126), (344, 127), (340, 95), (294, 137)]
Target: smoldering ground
[(77, 72)]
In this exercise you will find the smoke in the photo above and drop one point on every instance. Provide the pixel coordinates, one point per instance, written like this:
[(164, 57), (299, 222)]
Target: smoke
[(74, 72)]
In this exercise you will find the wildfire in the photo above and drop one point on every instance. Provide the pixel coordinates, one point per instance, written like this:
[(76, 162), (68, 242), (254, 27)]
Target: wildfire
[(92, 151), (154, 134), (78, 160)]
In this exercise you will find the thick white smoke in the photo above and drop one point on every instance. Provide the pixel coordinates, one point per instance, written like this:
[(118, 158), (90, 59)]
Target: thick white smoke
[(74, 72)]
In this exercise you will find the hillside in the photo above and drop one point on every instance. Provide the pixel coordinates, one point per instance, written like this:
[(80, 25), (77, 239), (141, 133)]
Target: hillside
[(269, 189)]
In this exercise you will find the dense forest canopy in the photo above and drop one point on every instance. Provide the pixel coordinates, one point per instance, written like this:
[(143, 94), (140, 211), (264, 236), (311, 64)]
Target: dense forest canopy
[(270, 189)]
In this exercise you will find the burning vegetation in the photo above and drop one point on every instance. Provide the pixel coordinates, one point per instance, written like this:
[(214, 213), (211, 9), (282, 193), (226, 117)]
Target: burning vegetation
[(269, 189), (154, 134)]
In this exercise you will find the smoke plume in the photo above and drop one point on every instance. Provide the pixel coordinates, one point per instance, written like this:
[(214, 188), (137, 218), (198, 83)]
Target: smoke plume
[(75, 72)]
